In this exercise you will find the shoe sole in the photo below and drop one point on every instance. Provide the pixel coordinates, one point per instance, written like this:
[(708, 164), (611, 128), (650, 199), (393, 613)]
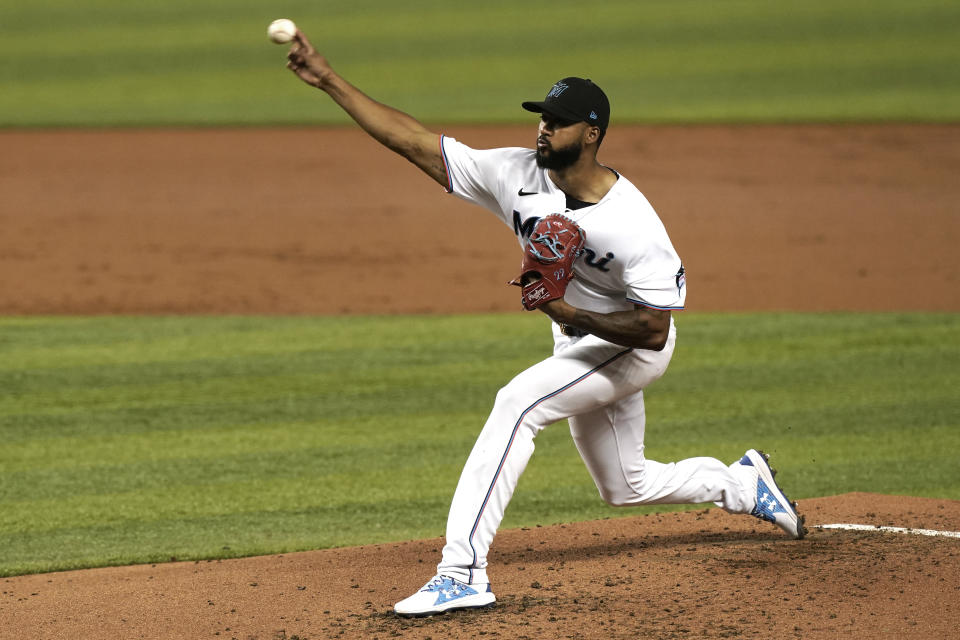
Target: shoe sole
[(769, 475), (456, 607)]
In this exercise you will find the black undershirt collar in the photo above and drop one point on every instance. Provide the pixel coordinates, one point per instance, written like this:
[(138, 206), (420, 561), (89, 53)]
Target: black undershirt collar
[(573, 204)]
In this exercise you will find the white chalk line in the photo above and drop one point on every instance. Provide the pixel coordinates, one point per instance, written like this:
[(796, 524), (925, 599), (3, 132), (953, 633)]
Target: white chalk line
[(869, 527)]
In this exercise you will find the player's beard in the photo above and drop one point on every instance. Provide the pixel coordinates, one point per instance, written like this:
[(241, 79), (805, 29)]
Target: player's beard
[(560, 158)]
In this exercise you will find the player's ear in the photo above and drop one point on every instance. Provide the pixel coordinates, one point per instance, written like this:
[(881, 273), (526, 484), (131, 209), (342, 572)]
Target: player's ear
[(592, 135)]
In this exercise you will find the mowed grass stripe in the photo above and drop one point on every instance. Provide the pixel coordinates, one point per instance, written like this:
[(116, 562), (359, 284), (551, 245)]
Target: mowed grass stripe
[(351, 386), (39, 343), (83, 454), (743, 60), (123, 375), (203, 536), (266, 487), (219, 437)]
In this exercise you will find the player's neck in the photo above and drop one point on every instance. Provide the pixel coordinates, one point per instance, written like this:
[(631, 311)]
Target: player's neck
[(587, 180)]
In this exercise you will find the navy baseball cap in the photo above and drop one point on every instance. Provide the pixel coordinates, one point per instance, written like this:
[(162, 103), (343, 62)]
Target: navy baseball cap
[(575, 99)]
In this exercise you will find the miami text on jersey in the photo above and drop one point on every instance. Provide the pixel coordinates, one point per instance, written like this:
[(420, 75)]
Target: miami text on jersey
[(524, 228)]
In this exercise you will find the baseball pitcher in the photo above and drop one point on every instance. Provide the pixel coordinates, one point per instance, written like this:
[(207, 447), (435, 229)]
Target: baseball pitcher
[(598, 261)]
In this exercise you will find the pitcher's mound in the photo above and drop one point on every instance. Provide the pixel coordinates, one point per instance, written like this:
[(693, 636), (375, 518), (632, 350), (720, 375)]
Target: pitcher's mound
[(695, 574)]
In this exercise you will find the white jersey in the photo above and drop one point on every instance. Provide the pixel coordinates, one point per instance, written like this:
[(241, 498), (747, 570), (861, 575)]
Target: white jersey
[(628, 257)]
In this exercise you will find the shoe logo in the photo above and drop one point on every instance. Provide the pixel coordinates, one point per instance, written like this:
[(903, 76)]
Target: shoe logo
[(449, 589), (767, 505), (526, 193)]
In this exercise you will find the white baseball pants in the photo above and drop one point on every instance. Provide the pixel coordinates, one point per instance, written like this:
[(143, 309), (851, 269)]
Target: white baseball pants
[(599, 387)]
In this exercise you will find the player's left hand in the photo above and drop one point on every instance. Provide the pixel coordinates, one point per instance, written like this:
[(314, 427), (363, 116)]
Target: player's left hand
[(549, 252)]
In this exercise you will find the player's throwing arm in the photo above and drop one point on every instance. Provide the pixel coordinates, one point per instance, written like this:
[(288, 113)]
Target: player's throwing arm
[(390, 127)]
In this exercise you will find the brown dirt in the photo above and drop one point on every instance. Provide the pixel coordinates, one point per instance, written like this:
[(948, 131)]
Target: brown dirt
[(701, 574), (247, 221), (322, 221)]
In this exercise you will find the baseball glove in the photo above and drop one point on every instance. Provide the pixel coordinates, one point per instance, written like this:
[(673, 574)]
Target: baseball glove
[(548, 255)]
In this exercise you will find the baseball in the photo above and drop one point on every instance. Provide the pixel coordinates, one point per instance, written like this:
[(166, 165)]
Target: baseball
[(281, 31)]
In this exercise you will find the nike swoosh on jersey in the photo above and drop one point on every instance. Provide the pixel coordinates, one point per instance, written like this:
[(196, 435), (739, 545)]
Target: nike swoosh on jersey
[(526, 193)]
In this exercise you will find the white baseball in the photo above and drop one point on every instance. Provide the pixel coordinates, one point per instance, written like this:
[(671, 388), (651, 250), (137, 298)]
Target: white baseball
[(281, 31)]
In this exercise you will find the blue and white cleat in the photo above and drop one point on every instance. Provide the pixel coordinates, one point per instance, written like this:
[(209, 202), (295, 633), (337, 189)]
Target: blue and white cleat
[(772, 503), (443, 594)]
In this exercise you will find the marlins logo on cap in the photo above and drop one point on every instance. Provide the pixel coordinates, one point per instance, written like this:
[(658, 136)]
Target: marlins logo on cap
[(557, 89)]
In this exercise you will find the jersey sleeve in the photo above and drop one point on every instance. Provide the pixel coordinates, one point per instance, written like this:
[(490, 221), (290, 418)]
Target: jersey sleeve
[(475, 175), (658, 281)]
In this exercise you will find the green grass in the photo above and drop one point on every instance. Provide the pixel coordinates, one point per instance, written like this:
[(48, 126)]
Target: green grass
[(141, 439), (203, 62)]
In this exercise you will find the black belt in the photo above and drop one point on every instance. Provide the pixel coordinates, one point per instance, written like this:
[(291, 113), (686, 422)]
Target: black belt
[(572, 332)]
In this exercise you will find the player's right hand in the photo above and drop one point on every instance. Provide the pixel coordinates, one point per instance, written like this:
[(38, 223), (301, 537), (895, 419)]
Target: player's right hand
[(306, 63)]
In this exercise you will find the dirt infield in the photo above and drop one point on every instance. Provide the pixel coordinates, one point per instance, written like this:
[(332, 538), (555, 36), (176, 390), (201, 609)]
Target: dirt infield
[(322, 222)]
